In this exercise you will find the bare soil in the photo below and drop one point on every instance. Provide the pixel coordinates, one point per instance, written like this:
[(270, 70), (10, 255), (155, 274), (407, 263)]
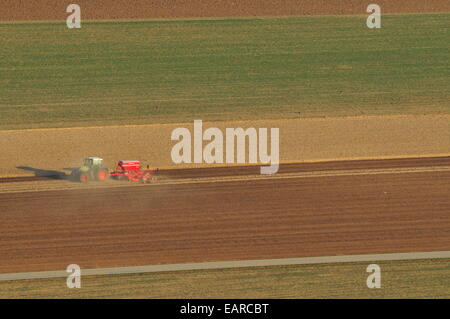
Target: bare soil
[(18, 10), (199, 222)]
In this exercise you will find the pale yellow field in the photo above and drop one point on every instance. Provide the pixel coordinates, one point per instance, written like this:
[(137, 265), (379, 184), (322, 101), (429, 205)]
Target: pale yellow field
[(300, 140)]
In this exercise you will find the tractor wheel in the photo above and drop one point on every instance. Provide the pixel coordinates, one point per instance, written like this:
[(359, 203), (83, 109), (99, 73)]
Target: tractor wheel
[(102, 175), (84, 177)]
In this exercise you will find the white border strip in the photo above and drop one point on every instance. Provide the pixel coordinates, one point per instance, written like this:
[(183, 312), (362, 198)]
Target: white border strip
[(229, 264)]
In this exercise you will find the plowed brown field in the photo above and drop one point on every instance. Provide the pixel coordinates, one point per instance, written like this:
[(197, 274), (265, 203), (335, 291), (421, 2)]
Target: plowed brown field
[(15, 10), (271, 218)]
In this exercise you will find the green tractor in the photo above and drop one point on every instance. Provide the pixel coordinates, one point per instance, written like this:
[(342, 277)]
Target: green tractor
[(92, 169)]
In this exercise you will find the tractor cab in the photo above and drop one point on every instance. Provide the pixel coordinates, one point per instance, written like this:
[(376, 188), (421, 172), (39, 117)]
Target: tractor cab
[(93, 161)]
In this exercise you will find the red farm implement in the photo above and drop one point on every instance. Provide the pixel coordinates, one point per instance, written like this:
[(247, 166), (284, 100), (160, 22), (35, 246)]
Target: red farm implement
[(93, 169), (132, 171)]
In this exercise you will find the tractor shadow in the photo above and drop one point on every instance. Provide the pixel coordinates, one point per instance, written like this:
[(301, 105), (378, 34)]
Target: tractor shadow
[(50, 174)]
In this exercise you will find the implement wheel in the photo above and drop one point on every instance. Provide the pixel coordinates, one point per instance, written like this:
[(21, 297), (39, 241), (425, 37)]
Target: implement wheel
[(146, 178)]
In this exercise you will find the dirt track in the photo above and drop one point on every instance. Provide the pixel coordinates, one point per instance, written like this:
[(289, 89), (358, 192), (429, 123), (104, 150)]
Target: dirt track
[(16, 10), (225, 221)]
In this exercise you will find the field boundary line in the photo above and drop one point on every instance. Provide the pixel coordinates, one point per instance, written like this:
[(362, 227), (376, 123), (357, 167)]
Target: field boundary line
[(231, 122), (229, 265), (217, 18)]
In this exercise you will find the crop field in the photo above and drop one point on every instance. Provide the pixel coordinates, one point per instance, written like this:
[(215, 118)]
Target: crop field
[(220, 69), (409, 279)]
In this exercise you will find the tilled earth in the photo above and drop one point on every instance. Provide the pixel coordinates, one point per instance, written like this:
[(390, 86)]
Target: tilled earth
[(142, 9), (227, 220)]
